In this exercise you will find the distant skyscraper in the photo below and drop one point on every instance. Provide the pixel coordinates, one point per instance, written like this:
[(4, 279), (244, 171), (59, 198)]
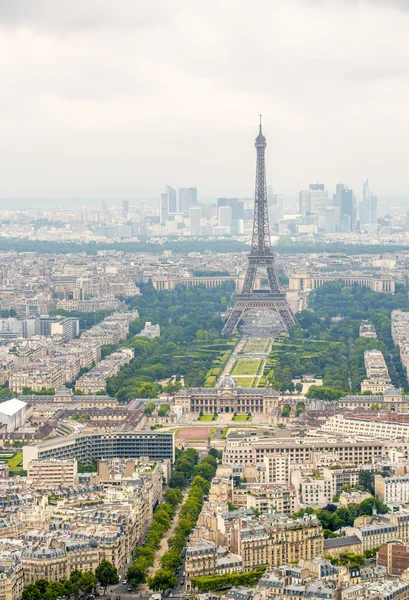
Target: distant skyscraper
[(164, 209), (314, 201), (192, 196), (195, 215), (236, 205), (224, 216), (344, 200), (276, 210), (184, 201), (125, 209), (173, 205), (368, 208)]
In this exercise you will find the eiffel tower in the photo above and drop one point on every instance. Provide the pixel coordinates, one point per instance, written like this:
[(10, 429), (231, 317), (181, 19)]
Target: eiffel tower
[(261, 255)]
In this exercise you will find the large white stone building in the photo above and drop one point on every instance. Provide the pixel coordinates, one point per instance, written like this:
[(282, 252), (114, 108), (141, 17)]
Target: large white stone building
[(13, 414)]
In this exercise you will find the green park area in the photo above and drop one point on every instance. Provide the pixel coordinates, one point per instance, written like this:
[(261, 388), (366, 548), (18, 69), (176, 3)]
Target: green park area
[(246, 367), (325, 341), (205, 418), (244, 382), (241, 418), (255, 346), (15, 462)]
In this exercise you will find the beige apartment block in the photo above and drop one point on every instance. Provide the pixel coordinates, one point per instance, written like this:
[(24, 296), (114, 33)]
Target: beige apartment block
[(52, 473)]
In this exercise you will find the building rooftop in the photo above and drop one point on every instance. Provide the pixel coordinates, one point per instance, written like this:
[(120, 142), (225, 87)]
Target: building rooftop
[(11, 407)]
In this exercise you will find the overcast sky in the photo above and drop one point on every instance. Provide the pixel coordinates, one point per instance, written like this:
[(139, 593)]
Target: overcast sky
[(115, 99)]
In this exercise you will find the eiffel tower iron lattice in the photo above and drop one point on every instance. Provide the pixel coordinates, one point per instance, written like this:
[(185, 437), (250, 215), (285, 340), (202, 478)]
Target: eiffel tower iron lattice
[(261, 256)]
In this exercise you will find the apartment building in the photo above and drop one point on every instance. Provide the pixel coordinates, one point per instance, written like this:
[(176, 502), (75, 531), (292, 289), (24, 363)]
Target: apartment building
[(48, 474), (374, 532), (11, 579), (251, 452), (392, 489), (400, 335), (392, 400), (338, 424), (88, 447), (268, 498)]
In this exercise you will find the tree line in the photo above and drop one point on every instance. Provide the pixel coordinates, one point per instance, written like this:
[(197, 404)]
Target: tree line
[(333, 518), (190, 324), (325, 340), (78, 584), (187, 463)]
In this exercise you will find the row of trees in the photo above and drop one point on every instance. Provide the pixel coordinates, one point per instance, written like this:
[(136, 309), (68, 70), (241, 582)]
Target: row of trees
[(190, 324), (77, 585), (165, 577), (186, 461), (177, 246), (222, 582), (145, 555), (333, 518), (351, 559)]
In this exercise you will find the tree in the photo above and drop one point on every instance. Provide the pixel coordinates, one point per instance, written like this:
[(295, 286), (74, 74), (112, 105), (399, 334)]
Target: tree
[(367, 480), (87, 582), (298, 387), (177, 480), (42, 585), (163, 580), (174, 496), (137, 573), (54, 590), (31, 592), (106, 574)]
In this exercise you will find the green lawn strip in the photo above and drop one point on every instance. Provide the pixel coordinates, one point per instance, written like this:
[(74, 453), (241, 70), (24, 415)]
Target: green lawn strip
[(246, 367), (244, 382), (14, 462), (205, 418), (241, 418)]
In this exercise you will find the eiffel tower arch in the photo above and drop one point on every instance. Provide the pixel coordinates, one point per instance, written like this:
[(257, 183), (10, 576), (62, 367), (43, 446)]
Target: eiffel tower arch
[(261, 257)]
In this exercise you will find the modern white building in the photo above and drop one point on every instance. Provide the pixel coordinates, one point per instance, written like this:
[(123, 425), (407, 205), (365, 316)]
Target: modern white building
[(392, 489), (339, 424), (195, 214), (13, 414)]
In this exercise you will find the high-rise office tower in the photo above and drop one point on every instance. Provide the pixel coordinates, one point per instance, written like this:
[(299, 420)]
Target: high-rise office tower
[(195, 215), (236, 205), (276, 210), (368, 208), (184, 201), (192, 196), (187, 198), (224, 216), (125, 209), (164, 209), (344, 200), (314, 201), (173, 205)]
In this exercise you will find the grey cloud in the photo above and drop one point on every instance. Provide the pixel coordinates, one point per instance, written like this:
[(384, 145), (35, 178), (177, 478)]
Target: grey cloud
[(77, 15)]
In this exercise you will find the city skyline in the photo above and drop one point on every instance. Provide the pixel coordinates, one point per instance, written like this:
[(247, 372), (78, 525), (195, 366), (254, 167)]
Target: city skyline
[(96, 132)]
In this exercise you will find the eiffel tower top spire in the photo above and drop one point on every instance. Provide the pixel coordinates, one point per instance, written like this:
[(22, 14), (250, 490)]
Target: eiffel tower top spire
[(260, 244), (260, 139)]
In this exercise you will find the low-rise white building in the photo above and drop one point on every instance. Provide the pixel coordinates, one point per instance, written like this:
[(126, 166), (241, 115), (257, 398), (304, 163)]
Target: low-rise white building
[(13, 414)]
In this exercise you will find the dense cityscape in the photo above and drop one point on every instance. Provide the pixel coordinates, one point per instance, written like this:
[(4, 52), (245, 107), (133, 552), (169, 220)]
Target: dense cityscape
[(203, 396)]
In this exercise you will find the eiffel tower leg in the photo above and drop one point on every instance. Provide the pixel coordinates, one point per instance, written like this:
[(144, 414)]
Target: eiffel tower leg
[(287, 318), (232, 321), (273, 280), (248, 285)]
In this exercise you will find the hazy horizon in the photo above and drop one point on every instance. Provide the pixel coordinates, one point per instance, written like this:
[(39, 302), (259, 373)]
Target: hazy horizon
[(104, 103)]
